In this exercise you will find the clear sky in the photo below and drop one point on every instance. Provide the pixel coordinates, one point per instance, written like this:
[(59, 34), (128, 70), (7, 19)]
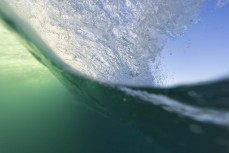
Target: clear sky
[(202, 54)]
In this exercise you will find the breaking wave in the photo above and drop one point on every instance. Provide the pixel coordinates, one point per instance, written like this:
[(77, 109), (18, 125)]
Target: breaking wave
[(85, 43)]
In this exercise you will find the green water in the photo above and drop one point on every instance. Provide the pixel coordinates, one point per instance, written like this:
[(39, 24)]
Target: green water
[(38, 114)]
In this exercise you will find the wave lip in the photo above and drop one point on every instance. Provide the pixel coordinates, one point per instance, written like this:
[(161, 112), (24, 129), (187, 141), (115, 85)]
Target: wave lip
[(110, 41)]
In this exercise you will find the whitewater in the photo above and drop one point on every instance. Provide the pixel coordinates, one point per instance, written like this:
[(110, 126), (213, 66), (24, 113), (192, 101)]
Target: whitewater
[(110, 41)]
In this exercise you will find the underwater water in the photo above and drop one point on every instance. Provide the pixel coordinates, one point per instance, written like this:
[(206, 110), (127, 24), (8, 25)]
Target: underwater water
[(100, 88)]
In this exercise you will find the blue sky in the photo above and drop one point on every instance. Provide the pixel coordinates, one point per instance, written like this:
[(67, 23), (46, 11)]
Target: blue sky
[(202, 53)]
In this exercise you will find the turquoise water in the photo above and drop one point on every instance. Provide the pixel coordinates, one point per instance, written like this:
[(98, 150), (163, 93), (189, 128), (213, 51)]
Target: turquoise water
[(76, 113), (38, 113)]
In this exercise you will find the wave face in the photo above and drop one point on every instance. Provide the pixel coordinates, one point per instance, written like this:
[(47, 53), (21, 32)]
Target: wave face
[(115, 41), (181, 119)]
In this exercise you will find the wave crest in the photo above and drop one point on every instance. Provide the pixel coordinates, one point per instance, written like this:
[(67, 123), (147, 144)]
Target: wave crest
[(115, 41)]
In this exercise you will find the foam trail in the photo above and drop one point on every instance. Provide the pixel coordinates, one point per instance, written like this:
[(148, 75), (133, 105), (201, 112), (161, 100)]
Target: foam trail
[(208, 115), (115, 41)]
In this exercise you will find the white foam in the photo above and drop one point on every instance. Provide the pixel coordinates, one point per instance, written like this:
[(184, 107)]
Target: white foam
[(115, 41)]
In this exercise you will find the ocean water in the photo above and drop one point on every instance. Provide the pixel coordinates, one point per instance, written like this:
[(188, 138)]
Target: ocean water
[(95, 84)]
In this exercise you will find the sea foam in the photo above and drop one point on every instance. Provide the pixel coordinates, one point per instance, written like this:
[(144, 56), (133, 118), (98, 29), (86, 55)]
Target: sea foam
[(114, 41)]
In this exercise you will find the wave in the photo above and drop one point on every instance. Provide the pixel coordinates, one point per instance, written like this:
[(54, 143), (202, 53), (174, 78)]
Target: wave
[(190, 118)]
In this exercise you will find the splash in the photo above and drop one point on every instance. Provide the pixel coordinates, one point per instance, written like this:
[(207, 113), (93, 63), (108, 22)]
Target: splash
[(114, 41)]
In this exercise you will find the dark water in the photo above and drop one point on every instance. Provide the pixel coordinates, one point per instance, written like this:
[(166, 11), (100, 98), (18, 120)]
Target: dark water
[(87, 116)]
